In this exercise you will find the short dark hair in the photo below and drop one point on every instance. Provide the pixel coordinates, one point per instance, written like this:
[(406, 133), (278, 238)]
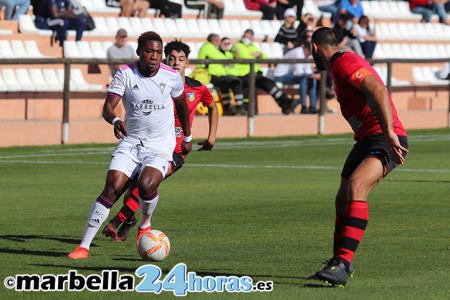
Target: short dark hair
[(211, 37), (325, 36), (177, 45), (148, 36), (249, 31)]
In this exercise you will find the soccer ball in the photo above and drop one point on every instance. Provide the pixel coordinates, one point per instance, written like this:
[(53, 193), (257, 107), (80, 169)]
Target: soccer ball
[(154, 245)]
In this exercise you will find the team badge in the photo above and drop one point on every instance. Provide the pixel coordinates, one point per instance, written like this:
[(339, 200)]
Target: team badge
[(191, 96), (162, 86)]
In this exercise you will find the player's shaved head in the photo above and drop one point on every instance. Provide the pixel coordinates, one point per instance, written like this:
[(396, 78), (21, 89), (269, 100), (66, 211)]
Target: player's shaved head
[(325, 37)]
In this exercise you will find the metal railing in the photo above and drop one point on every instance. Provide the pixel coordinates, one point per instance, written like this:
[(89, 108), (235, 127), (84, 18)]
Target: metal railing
[(68, 62)]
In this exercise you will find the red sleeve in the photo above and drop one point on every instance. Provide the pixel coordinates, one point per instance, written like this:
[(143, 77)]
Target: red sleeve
[(207, 97)]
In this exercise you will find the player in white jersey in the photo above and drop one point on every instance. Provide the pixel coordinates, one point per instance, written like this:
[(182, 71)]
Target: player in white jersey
[(148, 89)]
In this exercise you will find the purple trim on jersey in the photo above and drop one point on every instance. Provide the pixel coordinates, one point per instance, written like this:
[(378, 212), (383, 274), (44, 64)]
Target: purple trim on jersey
[(166, 67), (129, 66), (114, 94)]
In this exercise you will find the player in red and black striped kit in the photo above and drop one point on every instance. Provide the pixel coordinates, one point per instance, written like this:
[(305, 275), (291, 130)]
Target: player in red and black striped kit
[(381, 144), (177, 54)]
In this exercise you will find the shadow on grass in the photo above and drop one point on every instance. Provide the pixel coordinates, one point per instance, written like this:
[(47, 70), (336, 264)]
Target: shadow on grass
[(25, 238), (29, 238), (418, 181)]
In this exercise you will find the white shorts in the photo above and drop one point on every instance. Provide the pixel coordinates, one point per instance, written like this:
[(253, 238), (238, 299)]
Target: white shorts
[(129, 158)]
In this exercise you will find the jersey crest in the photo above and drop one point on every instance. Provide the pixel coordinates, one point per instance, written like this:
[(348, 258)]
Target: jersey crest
[(162, 86), (191, 96)]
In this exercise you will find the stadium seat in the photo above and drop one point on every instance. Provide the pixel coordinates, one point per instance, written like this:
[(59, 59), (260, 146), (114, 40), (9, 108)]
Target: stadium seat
[(124, 22), (160, 26), (97, 50), (71, 50), (266, 48), (3, 86), (101, 28), (25, 81), (52, 80), (85, 49), (183, 30), (37, 77), (26, 26), (19, 49), (136, 24), (427, 75), (147, 24), (277, 50), (5, 50), (9, 77)]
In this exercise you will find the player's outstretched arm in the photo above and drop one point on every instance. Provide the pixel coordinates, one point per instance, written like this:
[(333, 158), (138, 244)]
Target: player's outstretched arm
[(108, 113), (183, 115), (377, 92), (213, 119)]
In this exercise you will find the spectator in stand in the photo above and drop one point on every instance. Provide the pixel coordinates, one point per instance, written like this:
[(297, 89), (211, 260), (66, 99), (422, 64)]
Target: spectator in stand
[(134, 8), (347, 38), (245, 49), (302, 74), (120, 49), (221, 77), (287, 35), (366, 37), (57, 15), (267, 7), (282, 5), (214, 7), (306, 23), (167, 8), (353, 9), (427, 8), (328, 6), (11, 13)]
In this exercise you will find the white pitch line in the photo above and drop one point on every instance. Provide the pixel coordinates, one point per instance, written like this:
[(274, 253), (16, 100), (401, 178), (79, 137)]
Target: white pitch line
[(228, 145), (226, 166)]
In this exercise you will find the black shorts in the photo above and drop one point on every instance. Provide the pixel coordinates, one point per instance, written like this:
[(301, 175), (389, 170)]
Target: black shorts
[(374, 145)]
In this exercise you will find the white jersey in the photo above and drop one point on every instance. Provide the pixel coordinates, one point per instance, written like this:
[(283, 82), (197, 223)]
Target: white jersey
[(148, 105)]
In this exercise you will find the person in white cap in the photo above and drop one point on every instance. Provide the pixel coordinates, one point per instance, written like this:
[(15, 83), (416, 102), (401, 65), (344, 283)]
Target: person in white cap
[(287, 35)]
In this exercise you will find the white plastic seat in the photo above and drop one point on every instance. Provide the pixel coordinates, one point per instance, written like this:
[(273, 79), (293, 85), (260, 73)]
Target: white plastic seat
[(136, 24), (257, 28), (124, 22), (101, 28), (76, 75), (97, 49), (161, 28), (9, 77), (3, 86), (236, 28), (193, 49), (183, 30), (85, 49), (23, 77), (113, 25), (52, 80), (266, 48), (5, 50), (277, 50), (37, 77), (106, 45), (147, 24), (19, 49), (197, 29), (71, 50), (204, 28), (32, 49)]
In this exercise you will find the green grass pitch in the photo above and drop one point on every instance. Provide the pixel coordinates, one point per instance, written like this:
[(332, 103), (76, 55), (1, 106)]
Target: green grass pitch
[(257, 207)]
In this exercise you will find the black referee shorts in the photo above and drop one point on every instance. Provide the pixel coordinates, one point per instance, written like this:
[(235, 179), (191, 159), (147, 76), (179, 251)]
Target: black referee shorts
[(376, 146)]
